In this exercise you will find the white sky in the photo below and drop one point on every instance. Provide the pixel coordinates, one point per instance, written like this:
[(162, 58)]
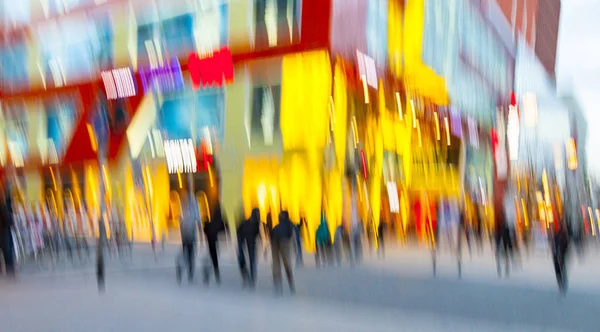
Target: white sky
[(578, 64)]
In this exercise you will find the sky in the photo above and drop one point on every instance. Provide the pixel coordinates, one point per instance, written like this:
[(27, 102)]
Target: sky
[(578, 65)]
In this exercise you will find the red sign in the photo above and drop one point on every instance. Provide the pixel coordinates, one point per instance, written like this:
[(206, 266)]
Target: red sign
[(211, 71)]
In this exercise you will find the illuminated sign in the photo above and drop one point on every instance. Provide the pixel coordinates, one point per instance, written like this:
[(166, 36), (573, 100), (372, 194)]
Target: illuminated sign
[(211, 71), (181, 156), (512, 132), (164, 78), (118, 83)]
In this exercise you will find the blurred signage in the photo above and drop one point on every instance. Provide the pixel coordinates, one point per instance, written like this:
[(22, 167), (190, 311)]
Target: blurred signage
[(181, 156), (164, 78), (211, 71), (118, 83)]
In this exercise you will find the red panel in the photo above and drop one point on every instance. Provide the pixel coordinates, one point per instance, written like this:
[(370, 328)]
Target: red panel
[(80, 148)]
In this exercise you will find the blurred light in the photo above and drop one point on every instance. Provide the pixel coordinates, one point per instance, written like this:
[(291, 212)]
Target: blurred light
[(414, 113), (163, 78), (437, 126), (271, 21), (419, 134), (367, 69), (558, 157), (530, 109), (393, 197), (592, 221), (365, 88), (268, 116), (525, 214), (572, 154), (473, 133), (512, 132), (210, 176), (208, 140), (262, 195), (355, 132), (364, 164), (399, 105), (92, 137), (447, 130)]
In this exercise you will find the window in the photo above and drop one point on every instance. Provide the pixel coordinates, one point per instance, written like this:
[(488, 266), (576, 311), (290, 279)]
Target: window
[(69, 50), (277, 22), (266, 108), (61, 122), (14, 67), (212, 28), (178, 35), (146, 48), (104, 54), (184, 116)]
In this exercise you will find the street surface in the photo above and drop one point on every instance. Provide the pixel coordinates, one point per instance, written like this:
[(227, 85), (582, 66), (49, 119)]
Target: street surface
[(397, 293)]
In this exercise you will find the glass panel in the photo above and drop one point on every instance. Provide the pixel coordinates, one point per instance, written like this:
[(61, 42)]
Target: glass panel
[(145, 33), (186, 116), (266, 108), (274, 19), (14, 67), (212, 28), (178, 35)]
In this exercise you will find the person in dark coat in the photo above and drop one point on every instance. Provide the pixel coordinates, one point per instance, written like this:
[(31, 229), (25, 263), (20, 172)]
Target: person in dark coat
[(281, 235), (6, 239), (560, 246), (188, 225), (247, 233), (212, 229)]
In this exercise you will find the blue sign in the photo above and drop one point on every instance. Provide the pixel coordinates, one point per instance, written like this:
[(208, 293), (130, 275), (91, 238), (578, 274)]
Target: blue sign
[(165, 78)]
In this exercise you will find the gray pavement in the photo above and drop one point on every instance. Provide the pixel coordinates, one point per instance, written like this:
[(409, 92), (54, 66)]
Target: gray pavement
[(395, 293)]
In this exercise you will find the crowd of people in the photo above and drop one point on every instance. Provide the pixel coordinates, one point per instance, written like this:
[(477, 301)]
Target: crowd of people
[(283, 238)]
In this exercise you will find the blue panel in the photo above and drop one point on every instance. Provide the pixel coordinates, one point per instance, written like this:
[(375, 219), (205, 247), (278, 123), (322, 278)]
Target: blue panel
[(181, 117), (224, 24), (377, 30), (178, 34), (14, 67)]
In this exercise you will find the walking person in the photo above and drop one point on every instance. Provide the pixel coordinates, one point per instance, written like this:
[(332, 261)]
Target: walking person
[(382, 230), (6, 237), (281, 234), (212, 228), (502, 237), (298, 240), (188, 225), (247, 233), (560, 248), (322, 241)]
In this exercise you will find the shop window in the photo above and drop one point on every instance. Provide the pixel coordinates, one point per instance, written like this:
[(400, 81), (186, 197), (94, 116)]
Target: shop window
[(277, 22), (266, 108)]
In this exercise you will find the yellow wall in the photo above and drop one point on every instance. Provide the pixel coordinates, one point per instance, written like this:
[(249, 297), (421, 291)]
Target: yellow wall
[(305, 126)]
